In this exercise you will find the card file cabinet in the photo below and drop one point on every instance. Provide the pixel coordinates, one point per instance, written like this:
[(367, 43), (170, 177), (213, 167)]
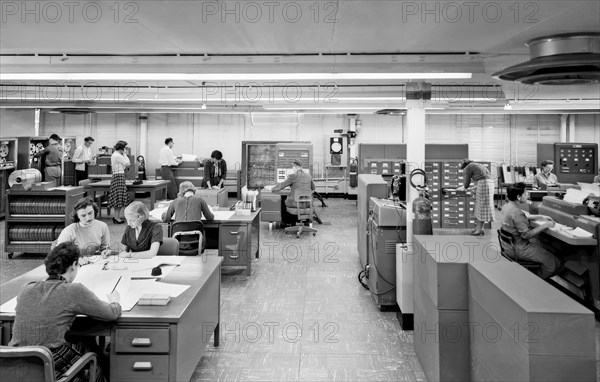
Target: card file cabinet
[(34, 219)]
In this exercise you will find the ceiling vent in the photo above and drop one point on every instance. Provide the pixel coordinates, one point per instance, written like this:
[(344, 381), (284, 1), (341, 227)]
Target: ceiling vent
[(566, 59)]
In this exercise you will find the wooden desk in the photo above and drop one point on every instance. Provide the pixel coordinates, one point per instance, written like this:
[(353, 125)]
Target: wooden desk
[(179, 331), (151, 186)]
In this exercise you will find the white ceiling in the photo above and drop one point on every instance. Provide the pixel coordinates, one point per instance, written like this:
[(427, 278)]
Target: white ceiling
[(150, 36)]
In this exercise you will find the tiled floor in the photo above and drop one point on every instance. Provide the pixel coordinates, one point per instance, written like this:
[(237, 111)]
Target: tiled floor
[(301, 315)]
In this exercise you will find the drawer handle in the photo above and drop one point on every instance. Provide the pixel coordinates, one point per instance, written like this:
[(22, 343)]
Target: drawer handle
[(234, 232), (142, 366), (141, 342), (232, 256)]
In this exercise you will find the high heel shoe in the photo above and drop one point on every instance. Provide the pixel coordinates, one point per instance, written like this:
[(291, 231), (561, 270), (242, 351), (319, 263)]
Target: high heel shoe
[(118, 221), (480, 233)]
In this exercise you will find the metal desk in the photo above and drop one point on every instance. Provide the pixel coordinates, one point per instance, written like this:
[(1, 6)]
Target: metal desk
[(151, 186), (178, 332)]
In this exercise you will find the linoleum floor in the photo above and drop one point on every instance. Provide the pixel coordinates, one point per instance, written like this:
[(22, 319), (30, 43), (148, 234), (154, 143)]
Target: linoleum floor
[(301, 315)]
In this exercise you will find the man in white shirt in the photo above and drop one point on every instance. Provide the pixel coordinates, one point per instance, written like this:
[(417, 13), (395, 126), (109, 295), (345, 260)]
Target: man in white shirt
[(166, 160), (82, 158)]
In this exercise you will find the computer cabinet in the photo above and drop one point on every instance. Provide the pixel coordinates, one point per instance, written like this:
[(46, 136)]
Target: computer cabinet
[(34, 219)]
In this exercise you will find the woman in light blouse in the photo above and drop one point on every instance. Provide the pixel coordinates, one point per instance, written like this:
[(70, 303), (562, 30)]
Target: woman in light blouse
[(89, 234), (117, 193)]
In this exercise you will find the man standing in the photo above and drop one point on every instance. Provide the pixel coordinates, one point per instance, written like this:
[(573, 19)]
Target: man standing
[(82, 158), (166, 159), (53, 160), (545, 177)]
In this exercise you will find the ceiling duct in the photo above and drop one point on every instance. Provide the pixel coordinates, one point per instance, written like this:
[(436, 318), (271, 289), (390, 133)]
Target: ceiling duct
[(68, 110), (390, 112), (566, 59)]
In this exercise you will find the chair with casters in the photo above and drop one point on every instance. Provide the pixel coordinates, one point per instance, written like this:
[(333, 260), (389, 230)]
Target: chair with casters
[(35, 363), (169, 247), (304, 211), (507, 240), (190, 236)]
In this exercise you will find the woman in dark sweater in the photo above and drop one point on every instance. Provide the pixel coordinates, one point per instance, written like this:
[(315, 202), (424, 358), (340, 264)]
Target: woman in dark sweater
[(46, 309)]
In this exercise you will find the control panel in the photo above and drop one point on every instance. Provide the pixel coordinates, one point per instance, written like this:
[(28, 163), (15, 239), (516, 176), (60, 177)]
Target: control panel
[(576, 161)]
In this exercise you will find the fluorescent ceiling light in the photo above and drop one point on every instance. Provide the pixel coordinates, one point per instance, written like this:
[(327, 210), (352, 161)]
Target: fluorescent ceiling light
[(272, 99), (298, 107), (226, 76)]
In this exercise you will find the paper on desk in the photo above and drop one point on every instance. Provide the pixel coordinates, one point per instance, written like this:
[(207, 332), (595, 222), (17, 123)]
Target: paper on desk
[(189, 157), (579, 232), (222, 215), (137, 288), (158, 212), (575, 196), (590, 188), (98, 281), (9, 306)]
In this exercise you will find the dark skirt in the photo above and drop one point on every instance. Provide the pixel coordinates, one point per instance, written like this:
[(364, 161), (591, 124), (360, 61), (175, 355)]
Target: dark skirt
[(66, 355), (117, 193)]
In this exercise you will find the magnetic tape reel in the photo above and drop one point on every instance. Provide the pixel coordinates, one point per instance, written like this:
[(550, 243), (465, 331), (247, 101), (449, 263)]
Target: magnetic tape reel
[(39, 147), (4, 150), (67, 146)]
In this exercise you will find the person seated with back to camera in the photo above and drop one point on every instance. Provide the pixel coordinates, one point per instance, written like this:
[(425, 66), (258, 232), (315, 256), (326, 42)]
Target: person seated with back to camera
[(48, 308), (188, 207), (298, 181), (142, 237), (90, 235), (527, 246)]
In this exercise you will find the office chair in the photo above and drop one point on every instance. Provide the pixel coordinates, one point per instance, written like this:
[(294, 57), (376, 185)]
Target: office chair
[(35, 363), (169, 247), (190, 236), (507, 240), (304, 212)]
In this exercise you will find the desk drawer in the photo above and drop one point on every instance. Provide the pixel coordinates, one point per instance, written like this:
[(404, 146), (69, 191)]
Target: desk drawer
[(141, 367), (233, 237), (141, 340), (270, 216), (234, 257)]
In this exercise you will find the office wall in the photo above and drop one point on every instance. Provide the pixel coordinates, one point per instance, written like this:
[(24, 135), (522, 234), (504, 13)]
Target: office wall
[(493, 137)]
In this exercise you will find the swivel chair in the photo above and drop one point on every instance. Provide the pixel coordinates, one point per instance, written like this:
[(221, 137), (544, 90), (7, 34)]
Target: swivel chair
[(35, 363), (304, 212), (190, 236), (507, 240)]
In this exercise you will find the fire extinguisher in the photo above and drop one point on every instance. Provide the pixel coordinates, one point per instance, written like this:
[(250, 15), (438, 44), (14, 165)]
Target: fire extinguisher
[(353, 173), (421, 206)]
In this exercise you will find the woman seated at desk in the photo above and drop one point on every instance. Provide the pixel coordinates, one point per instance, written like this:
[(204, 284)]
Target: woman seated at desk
[(142, 237), (545, 177), (526, 245), (298, 180), (46, 309), (90, 235), (188, 207)]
